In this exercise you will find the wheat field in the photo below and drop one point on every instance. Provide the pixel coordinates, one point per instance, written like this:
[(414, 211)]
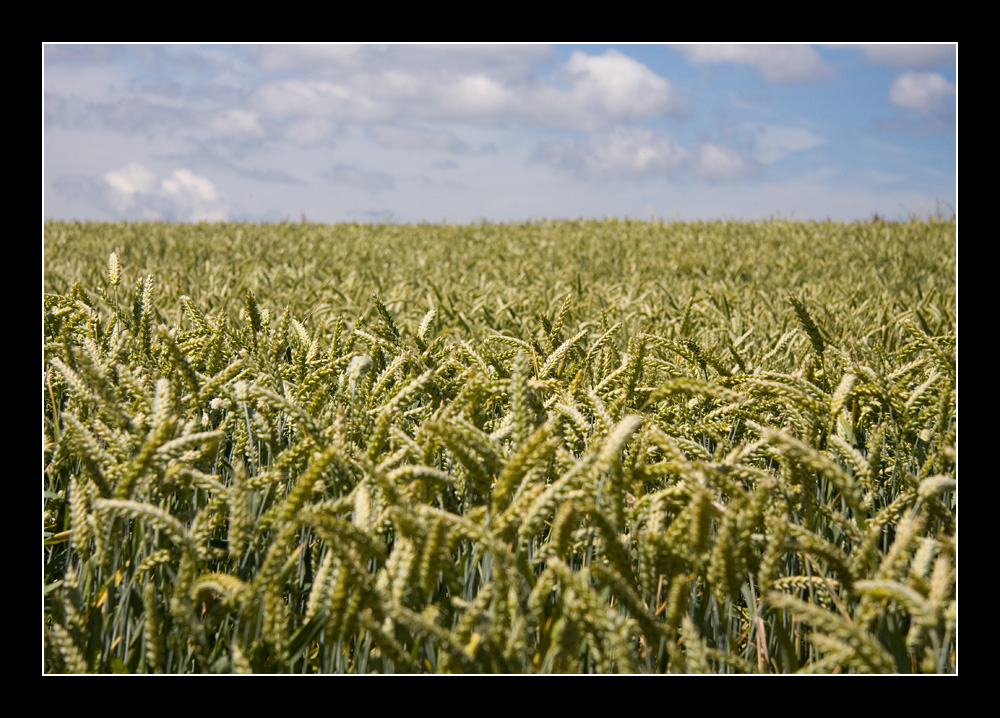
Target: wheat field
[(550, 447)]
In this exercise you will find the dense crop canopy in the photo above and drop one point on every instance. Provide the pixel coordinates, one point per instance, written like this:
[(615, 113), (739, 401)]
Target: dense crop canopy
[(551, 447)]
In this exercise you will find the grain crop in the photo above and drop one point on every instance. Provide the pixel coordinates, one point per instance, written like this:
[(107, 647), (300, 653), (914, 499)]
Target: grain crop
[(549, 447)]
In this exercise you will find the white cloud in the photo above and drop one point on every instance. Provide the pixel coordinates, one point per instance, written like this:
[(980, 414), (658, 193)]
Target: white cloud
[(192, 197), (777, 63), (451, 84), (184, 184), (623, 152), (476, 96), (923, 91), (182, 196), (310, 111), (132, 180), (586, 92), (617, 87), (634, 153)]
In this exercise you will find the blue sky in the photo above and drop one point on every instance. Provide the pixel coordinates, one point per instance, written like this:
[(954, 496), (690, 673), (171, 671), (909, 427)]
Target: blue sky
[(508, 133)]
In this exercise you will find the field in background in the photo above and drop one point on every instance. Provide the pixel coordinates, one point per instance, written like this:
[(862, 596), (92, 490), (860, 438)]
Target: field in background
[(550, 447)]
